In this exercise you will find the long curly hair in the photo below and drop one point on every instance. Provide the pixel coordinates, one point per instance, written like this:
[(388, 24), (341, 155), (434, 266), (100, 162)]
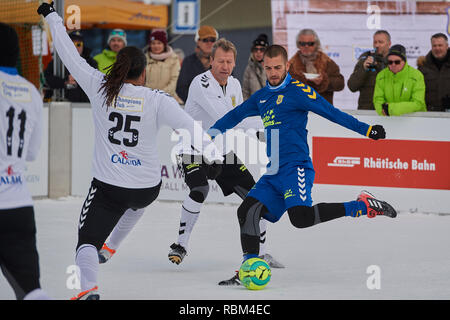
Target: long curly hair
[(129, 65)]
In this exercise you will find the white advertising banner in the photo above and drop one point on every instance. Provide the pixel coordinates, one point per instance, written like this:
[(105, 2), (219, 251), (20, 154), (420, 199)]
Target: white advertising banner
[(345, 36)]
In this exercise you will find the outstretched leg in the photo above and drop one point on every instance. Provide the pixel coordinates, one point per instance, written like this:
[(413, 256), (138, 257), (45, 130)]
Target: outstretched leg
[(119, 233), (195, 177)]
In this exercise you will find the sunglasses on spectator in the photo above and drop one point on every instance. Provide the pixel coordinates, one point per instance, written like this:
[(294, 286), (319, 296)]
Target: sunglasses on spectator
[(78, 43), (303, 44), (259, 49), (209, 40), (397, 62)]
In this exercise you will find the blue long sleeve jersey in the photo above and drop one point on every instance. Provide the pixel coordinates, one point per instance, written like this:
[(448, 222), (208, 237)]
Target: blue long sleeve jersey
[(284, 112)]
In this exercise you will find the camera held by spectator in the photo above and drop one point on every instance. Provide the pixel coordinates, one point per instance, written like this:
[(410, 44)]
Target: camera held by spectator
[(373, 59)]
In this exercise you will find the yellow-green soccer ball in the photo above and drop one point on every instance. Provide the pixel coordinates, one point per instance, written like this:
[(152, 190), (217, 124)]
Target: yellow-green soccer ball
[(255, 274)]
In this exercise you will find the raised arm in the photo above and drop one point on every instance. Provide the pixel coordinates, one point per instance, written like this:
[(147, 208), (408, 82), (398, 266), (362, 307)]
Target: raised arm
[(87, 77)]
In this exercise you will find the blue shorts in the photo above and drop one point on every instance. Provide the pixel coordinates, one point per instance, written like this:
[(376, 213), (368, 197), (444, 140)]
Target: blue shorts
[(288, 188)]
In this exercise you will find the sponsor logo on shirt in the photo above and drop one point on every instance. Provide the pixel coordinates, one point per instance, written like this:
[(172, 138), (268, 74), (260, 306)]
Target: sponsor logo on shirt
[(11, 177), (129, 104), (288, 193), (15, 91), (123, 158), (268, 118)]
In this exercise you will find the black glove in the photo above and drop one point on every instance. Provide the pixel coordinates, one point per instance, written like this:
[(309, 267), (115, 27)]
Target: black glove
[(377, 132), (386, 108), (213, 170), (45, 9), (260, 136)]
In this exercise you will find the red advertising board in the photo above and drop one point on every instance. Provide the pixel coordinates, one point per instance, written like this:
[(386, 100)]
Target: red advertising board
[(382, 163)]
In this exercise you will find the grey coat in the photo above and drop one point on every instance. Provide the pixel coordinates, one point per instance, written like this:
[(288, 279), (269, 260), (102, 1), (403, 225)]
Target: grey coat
[(254, 78)]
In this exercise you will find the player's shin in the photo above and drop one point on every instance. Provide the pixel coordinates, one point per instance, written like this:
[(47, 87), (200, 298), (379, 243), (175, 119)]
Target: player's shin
[(87, 261), (123, 227), (250, 246), (249, 215), (304, 217)]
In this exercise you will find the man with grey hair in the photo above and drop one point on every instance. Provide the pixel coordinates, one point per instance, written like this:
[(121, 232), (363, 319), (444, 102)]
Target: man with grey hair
[(313, 67), (366, 69)]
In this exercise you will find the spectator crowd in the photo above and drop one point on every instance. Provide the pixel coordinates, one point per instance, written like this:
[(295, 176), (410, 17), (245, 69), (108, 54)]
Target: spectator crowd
[(386, 82)]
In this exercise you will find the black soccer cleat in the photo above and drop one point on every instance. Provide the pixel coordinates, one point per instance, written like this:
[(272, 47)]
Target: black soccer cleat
[(234, 281), (177, 253)]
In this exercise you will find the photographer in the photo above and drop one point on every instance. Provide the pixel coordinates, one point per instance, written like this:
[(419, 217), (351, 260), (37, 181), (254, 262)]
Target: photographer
[(369, 64)]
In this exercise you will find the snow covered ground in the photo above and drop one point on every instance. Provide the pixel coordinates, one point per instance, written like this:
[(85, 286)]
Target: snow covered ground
[(334, 260)]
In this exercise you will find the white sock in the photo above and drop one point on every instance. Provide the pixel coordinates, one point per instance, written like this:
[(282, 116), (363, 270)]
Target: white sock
[(87, 261), (123, 227), (189, 215), (262, 237), (36, 294)]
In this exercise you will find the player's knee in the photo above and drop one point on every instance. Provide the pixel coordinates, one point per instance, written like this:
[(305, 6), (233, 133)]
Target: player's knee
[(199, 194), (301, 216), (251, 209)]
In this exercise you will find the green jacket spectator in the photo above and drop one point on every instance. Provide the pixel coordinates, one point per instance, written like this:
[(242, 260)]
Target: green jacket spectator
[(105, 59), (117, 40), (399, 88)]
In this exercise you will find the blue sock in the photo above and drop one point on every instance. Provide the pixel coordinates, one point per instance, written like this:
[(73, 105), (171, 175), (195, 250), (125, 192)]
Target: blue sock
[(249, 256), (355, 208)]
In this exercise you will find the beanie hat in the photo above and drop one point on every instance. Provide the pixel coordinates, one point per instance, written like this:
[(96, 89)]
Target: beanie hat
[(76, 35), (159, 35), (118, 33), (9, 54), (398, 50), (261, 40), (206, 32)]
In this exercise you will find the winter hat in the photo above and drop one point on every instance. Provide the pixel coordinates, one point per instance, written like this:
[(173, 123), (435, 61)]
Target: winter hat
[(9, 55), (159, 35), (76, 35), (261, 40), (398, 50), (206, 32), (118, 33)]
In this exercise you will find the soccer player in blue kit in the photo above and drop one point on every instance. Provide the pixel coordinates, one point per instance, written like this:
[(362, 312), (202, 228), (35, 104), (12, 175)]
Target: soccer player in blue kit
[(283, 105)]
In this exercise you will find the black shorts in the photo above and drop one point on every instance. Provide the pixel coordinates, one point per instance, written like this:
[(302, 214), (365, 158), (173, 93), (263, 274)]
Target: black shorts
[(234, 175), (104, 206), (19, 258)]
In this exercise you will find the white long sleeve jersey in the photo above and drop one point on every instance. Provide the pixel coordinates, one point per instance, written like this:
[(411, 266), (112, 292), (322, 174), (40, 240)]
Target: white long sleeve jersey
[(20, 136), (208, 101), (125, 148)]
